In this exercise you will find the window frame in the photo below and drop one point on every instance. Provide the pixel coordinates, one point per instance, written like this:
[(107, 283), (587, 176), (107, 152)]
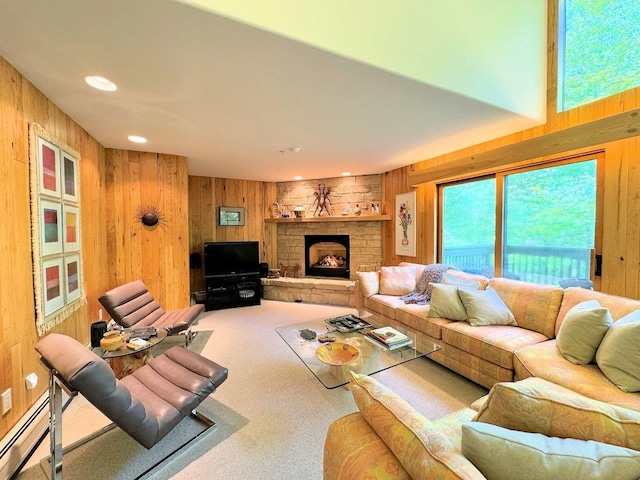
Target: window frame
[(499, 176)]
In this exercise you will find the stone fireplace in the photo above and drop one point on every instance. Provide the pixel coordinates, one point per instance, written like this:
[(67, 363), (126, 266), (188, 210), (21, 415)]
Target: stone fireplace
[(326, 256), (365, 244)]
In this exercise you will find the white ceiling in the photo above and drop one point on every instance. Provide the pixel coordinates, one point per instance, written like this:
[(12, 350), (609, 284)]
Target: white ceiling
[(230, 96)]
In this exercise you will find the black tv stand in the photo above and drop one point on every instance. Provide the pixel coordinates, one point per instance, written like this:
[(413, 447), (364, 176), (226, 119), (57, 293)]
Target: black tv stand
[(232, 290)]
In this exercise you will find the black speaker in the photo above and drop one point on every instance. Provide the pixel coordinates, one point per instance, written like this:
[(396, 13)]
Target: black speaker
[(195, 261), (98, 329), (264, 270)]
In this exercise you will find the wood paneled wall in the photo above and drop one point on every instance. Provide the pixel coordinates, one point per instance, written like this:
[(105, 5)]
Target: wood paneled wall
[(159, 255), (207, 194), (20, 104), (621, 242)]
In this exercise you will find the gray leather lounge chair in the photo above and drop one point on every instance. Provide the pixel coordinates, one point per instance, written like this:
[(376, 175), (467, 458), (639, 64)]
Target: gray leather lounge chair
[(132, 305), (147, 404)]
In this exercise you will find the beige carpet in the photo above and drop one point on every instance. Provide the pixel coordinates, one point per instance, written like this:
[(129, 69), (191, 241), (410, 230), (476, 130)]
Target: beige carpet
[(272, 413)]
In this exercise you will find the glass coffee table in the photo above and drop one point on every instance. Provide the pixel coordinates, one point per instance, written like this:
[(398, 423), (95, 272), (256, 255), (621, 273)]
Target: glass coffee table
[(372, 358)]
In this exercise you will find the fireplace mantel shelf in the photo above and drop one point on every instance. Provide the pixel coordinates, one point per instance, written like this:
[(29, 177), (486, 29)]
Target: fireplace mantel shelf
[(336, 218)]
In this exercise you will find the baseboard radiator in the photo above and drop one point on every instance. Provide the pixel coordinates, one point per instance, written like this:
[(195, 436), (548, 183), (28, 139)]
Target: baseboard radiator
[(24, 437)]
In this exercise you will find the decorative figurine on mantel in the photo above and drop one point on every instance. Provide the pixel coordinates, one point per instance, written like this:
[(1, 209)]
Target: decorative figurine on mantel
[(322, 202)]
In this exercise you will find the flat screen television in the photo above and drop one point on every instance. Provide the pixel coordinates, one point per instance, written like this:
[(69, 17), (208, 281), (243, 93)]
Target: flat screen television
[(225, 258)]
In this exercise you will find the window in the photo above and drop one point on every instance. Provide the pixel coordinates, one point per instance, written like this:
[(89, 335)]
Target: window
[(549, 223), (545, 231), (468, 232), (598, 52)]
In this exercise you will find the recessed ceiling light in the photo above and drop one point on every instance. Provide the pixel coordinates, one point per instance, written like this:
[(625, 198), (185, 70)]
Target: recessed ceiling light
[(298, 177), (137, 139), (100, 83), (346, 174)]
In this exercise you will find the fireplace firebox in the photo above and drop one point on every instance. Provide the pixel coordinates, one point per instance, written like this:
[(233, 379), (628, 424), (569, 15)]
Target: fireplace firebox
[(326, 255)]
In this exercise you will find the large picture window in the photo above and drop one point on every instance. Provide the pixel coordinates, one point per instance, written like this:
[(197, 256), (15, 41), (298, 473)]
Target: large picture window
[(468, 233), (544, 231), (598, 52)]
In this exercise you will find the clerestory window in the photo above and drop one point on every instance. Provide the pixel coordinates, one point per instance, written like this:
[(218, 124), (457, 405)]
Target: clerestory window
[(598, 50)]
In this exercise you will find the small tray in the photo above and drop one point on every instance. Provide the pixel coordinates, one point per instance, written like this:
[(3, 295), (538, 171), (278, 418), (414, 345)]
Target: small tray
[(348, 323)]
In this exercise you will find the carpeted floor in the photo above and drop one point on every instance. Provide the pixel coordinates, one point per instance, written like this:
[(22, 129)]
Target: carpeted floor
[(272, 413)]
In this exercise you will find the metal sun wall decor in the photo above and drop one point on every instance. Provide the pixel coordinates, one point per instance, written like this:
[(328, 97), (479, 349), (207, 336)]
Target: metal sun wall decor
[(55, 228), (149, 215)]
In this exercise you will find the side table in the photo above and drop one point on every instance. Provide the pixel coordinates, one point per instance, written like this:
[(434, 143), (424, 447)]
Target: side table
[(124, 361)]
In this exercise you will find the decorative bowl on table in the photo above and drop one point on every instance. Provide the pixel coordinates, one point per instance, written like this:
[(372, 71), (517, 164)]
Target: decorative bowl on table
[(337, 354)]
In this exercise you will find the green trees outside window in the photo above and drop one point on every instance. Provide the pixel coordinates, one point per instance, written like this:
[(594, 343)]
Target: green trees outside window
[(599, 50), (547, 229)]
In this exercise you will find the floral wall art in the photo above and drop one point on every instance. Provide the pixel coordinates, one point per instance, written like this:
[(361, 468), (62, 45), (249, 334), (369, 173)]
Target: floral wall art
[(55, 228), (405, 224)]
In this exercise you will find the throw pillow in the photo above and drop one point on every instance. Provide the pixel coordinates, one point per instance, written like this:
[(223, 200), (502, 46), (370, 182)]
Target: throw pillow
[(446, 303), (451, 280), (507, 454), (582, 330), (556, 411), (485, 307), (417, 444), (369, 282), (397, 280), (619, 353)]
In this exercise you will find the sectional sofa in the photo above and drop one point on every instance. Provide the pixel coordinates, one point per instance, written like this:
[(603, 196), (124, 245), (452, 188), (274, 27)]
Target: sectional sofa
[(502, 353), (545, 416), (526, 430)]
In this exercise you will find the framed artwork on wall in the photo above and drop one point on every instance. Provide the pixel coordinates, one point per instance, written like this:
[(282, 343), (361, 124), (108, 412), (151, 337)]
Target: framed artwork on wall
[(52, 285), (71, 223), (50, 227), (72, 277), (55, 228), (48, 168), (405, 224), (232, 216), (69, 165)]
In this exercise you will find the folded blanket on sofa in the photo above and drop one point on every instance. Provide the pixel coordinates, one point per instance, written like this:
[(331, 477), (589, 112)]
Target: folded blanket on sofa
[(421, 295)]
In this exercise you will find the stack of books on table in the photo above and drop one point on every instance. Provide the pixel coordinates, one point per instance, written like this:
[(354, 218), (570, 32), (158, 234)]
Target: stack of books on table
[(388, 337)]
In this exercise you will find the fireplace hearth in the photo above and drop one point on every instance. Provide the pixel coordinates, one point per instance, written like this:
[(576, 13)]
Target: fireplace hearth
[(327, 256)]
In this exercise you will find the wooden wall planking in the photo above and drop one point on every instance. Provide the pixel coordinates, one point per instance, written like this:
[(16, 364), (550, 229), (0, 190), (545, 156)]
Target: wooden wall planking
[(159, 255), (207, 194), (20, 104)]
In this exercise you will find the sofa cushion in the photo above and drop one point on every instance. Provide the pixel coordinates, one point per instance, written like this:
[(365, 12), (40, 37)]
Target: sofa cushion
[(545, 361), (459, 282), (472, 367), (619, 353), (415, 441), (485, 307), (556, 411), (618, 306), (416, 316), (419, 268), (352, 449), (369, 282), (397, 280), (535, 307), (500, 453), (470, 277), (494, 343), (582, 331), (386, 305), (446, 303)]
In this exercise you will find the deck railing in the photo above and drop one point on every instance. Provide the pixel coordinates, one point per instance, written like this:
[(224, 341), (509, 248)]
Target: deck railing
[(547, 265)]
